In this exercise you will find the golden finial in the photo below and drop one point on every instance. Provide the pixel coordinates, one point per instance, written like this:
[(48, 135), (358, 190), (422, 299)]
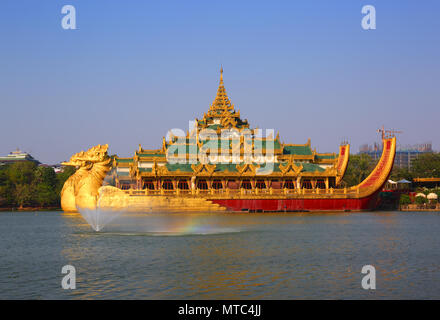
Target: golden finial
[(221, 73)]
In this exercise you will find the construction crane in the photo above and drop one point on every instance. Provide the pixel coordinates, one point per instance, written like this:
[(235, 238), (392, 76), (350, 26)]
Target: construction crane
[(387, 133)]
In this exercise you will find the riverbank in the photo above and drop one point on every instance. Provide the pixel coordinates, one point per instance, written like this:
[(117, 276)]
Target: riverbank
[(420, 210), (26, 209), (421, 207)]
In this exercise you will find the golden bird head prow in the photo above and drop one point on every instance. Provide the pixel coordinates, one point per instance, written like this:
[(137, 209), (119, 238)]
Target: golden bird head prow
[(95, 154)]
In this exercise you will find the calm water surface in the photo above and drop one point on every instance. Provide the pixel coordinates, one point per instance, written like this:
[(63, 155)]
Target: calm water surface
[(221, 256)]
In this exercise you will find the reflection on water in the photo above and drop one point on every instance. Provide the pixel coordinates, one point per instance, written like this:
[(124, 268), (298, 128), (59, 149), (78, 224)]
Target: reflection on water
[(170, 224), (219, 256)]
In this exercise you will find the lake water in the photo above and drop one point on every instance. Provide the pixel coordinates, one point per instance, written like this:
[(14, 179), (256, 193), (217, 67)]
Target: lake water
[(221, 256)]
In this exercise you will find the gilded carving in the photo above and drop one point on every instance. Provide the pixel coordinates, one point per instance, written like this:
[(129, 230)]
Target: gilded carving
[(81, 189), (290, 168)]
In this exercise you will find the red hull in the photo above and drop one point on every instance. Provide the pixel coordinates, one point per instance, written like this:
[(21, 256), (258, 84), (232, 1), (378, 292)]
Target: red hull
[(369, 201), (286, 205)]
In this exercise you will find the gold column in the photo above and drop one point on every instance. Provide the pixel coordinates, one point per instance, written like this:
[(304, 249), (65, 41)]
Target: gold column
[(298, 183)]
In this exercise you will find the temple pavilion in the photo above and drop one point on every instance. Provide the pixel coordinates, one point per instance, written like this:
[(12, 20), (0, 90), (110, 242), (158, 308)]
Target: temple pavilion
[(222, 153)]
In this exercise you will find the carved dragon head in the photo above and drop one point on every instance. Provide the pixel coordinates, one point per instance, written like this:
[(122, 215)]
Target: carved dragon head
[(96, 154)]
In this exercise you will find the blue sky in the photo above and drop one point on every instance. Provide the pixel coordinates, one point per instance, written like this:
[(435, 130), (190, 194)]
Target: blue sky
[(134, 69)]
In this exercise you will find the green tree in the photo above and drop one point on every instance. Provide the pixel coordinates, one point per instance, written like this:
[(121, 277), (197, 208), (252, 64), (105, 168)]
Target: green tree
[(437, 192), (45, 175), (7, 198), (24, 195), (405, 199), (421, 200), (46, 196), (3, 175), (45, 187), (401, 173), (25, 184), (21, 183), (426, 166), (359, 167), (21, 172)]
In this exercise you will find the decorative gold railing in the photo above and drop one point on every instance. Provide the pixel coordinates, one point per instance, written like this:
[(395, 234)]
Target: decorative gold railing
[(249, 193)]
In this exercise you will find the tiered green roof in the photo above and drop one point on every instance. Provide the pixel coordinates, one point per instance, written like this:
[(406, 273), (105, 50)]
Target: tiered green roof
[(232, 167), (145, 155), (184, 167), (326, 156), (298, 150), (124, 160), (310, 167)]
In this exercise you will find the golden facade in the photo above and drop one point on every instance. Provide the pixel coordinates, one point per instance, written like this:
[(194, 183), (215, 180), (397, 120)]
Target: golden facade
[(294, 166)]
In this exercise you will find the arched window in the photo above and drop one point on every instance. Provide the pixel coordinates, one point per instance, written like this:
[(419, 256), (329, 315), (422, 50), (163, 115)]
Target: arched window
[(125, 186), (320, 184), (148, 184), (289, 184), (183, 185), (246, 184), (332, 182), (202, 185), (167, 185), (217, 184), (260, 184), (307, 184)]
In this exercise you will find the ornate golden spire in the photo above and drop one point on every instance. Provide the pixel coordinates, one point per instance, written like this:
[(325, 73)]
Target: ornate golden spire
[(221, 101)]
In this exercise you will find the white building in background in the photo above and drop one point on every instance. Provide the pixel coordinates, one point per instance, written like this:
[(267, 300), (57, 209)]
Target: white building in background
[(16, 156)]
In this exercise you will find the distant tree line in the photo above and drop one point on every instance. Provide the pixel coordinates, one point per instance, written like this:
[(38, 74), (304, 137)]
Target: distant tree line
[(24, 184), (358, 168), (427, 165)]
